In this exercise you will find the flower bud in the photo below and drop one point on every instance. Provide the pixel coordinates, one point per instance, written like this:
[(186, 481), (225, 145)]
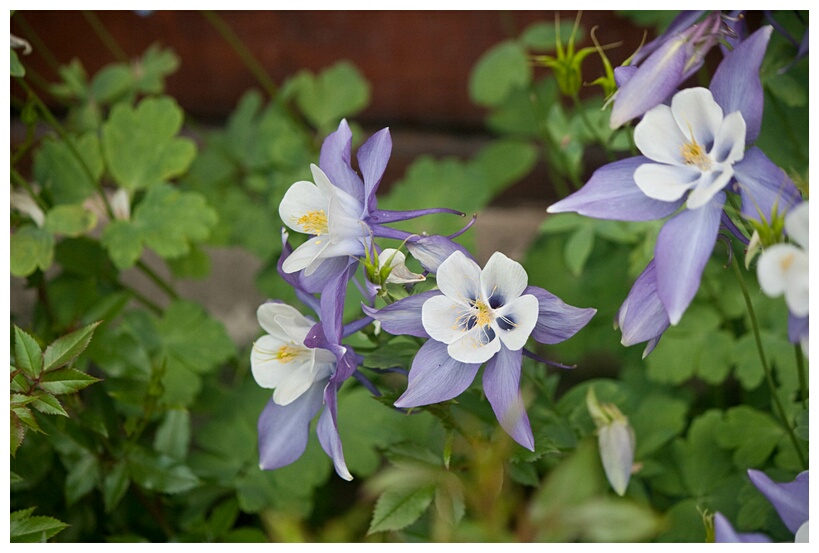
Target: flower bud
[(616, 441)]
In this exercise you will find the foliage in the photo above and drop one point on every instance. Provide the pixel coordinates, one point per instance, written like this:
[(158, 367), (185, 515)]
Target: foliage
[(134, 418)]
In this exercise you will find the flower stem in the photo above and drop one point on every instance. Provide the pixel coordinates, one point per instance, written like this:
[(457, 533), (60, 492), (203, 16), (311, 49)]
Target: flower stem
[(241, 50), (765, 366), (158, 280), (803, 379), (105, 36)]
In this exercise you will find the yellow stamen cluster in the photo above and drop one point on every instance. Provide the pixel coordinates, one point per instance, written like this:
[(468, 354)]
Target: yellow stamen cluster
[(287, 353), (694, 154), (314, 222), (787, 261), (484, 316)]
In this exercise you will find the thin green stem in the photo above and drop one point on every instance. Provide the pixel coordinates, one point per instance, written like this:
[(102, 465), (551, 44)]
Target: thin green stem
[(105, 36), (18, 178), (241, 50), (37, 44), (158, 280), (803, 379), (142, 299), (52, 120), (765, 366)]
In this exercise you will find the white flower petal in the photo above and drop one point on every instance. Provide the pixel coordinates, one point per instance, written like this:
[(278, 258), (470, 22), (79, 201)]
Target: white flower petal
[(707, 187), (667, 183), (305, 255), (658, 137), (697, 115), (783, 268), (476, 346), (301, 198), (502, 280), (515, 321), (342, 225), (444, 319), (350, 205), (269, 367), (797, 287), (459, 278), (293, 385), (729, 143), (796, 224), (271, 315)]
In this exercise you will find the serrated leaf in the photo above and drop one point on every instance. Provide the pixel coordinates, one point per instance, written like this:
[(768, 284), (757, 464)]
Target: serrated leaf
[(48, 404), (397, 509), (26, 417), (24, 528), (115, 484), (170, 220), (70, 220), (140, 144), (65, 381), (65, 349), (66, 177), (500, 70), (160, 473), (336, 92), (27, 353), (17, 432), (31, 248)]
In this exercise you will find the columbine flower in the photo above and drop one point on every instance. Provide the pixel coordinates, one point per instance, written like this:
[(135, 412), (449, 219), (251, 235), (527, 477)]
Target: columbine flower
[(299, 376), (478, 316), (784, 268), (642, 317), (790, 499), (693, 154), (615, 439), (338, 210)]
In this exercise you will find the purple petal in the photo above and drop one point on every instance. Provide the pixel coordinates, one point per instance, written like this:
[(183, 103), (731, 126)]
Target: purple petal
[(683, 21), (283, 430), (683, 248), (373, 156), (737, 31), (623, 73), (763, 186), (736, 85), (332, 302), (501, 383), (431, 251), (435, 376), (334, 160), (798, 328), (790, 499), (556, 320), (654, 81), (327, 430), (725, 533), (611, 193), (382, 216), (642, 317), (404, 316)]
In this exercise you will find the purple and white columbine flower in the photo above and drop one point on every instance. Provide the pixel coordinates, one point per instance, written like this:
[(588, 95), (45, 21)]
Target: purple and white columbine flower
[(790, 499), (783, 269), (339, 209), (299, 376), (693, 151), (478, 316)]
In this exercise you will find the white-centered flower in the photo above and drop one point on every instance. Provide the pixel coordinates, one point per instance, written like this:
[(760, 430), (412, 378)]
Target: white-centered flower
[(329, 214), (280, 360), (783, 268), (396, 261), (480, 309), (694, 146)]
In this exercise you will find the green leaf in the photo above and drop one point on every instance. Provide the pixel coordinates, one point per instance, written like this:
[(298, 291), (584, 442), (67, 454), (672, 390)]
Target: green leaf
[(398, 508), (111, 83), (70, 220), (542, 36), (336, 92), (27, 353), (31, 248), (24, 528), (160, 473), (657, 421), (606, 520), (702, 462), (17, 69), (501, 69), (140, 144), (65, 381), (81, 478), (123, 240), (752, 434), (115, 484), (195, 264), (65, 349), (150, 70), (174, 434), (48, 404), (578, 248), (68, 178), (17, 432)]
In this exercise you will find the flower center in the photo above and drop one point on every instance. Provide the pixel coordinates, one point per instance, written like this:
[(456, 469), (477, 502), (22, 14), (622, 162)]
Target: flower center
[(287, 353), (314, 222), (484, 315), (786, 262), (694, 154)]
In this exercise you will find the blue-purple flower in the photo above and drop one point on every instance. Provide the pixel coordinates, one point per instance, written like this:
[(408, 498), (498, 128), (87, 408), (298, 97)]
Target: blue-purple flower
[(790, 499), (478, 316), (693, 152)]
